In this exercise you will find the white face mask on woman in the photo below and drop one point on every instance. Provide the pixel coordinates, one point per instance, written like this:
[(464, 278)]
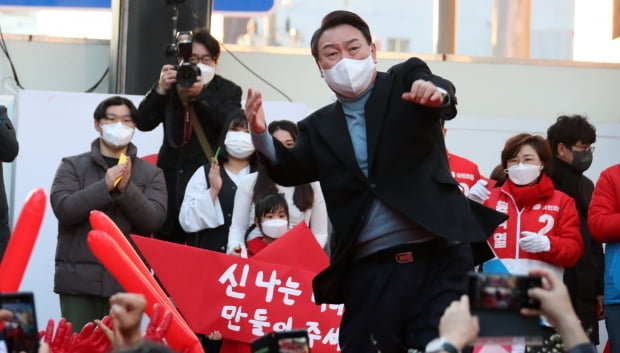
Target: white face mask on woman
[(524, 174), (239, 144), (350, 77), (274, 228), (116, 135)]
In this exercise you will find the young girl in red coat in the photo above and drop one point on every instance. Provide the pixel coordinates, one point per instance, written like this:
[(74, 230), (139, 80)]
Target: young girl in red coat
[(271, 218)]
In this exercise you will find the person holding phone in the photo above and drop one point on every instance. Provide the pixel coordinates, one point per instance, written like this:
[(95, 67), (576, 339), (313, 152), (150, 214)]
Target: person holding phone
[(18, 325), (458, 328)]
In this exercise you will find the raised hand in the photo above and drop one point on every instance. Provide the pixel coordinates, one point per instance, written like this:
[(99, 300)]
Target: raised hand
[(254, 111), (167, 78), (215, 180), (126, 312), (425, 93)]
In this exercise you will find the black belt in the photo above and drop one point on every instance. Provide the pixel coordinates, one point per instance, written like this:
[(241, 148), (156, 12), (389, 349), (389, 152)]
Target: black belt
[(408, 253)]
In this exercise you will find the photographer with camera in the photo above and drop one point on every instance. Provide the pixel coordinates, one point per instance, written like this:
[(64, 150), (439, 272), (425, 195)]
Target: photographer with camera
[(194, 104)]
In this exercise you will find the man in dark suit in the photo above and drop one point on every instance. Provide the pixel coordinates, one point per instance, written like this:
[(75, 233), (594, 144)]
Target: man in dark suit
[(401, 225), (9, 147)]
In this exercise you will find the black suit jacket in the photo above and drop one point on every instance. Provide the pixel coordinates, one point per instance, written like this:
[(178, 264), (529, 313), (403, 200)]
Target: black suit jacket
[(407, 170)]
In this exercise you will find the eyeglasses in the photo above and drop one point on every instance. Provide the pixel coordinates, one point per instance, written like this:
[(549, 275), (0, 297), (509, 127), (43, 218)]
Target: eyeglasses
[(205, 59), (126, 119), (584, 148)]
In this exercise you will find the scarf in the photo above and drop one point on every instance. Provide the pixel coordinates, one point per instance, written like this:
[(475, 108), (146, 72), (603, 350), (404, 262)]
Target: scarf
[(528, 195)]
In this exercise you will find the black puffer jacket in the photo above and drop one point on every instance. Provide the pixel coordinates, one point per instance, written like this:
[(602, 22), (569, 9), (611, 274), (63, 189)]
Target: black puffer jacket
[(79, 188)]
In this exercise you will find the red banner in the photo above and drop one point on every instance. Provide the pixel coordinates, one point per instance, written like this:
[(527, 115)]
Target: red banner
[(246, 298)]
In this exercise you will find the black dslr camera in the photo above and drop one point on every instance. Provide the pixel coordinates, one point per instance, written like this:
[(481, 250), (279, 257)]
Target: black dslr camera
[(186, 71)]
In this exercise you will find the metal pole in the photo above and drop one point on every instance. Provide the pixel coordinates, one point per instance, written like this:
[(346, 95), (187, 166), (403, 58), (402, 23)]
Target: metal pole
[(512, 22), (446, 27), (118, 46), (209, 5)]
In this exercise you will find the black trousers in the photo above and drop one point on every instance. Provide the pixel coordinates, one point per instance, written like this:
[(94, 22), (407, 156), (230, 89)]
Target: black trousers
[(397, 297)]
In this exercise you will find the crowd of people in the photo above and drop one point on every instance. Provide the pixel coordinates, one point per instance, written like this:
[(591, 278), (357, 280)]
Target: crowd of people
[(402, 219)]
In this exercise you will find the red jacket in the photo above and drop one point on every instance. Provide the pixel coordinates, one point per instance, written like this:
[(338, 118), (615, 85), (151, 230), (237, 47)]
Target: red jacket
[(464, 171), (540, 209), (604, 211), (255, 245), (604, 223)]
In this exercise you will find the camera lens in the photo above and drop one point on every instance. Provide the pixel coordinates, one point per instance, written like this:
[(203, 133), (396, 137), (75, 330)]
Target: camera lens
[(186, 76)]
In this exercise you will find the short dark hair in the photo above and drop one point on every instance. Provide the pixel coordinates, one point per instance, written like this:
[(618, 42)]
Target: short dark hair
[(539, 144), (285, 125), (335, 19), (270, 203), (569, 130), (205, 38), (102, 108)]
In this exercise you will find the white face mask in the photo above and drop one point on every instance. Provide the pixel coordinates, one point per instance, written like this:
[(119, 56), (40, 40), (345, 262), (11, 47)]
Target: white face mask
[(116, 135), (524, 174), (350, 77), (206, 73), (274, 228), (239, 144)]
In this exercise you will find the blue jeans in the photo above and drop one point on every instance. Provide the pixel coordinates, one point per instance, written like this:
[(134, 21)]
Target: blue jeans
[(612, 323)]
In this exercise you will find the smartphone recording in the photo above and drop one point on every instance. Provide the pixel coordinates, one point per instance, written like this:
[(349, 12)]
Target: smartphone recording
[(20, 333), (502, 291), (295, 341)]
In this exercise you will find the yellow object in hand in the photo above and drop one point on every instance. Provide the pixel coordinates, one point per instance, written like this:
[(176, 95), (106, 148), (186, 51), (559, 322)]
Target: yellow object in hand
[(122, 159)]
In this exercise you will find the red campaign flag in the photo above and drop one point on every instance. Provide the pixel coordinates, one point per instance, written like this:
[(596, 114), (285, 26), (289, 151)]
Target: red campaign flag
[(298, 248), (246, 298)]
